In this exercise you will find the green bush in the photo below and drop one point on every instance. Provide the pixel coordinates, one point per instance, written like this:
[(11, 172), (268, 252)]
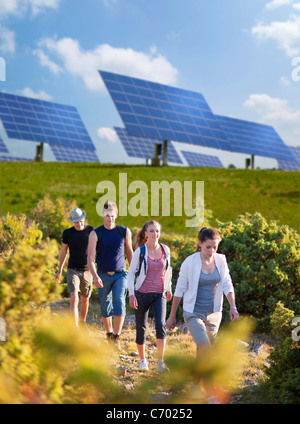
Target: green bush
[(284, 369), (27, 286), (264, 262), (16, 229), (52, 218), (281, 321)]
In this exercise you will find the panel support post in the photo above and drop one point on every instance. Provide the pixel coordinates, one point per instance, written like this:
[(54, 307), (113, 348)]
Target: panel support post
[(39, 152), (165, 158)]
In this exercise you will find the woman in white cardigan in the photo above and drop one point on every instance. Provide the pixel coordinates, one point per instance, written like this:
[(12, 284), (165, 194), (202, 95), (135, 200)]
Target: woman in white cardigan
[(151, 288), (203, 279)]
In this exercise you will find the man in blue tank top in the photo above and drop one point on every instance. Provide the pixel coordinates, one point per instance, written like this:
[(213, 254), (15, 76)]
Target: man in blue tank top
[(108, 244)]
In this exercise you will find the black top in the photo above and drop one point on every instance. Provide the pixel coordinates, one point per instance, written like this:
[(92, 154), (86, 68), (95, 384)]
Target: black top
[(78, 245)]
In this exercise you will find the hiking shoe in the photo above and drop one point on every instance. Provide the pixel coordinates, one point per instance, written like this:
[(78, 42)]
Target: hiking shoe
[(143, 365), (109, 336), (116, 340), (161, 366)]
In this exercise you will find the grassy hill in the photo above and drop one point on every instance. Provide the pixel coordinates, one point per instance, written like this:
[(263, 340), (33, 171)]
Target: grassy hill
[(227, 192)]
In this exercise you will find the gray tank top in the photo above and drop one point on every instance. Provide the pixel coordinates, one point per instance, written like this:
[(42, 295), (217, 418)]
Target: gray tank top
[(206, 291)]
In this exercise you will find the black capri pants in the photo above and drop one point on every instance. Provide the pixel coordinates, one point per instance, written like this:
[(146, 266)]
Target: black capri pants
[(158, 302)]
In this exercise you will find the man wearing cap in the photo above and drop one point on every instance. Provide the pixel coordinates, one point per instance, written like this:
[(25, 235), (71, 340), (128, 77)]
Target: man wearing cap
[(108, 244), (79, 278)]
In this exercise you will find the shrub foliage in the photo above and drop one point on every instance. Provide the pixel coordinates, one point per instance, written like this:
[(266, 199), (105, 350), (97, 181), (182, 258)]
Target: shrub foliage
[(46, 360), (284, 370), (264, 261)]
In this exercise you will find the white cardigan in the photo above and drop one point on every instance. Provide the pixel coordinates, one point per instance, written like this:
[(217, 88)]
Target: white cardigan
[(188, 279), (134, 265)]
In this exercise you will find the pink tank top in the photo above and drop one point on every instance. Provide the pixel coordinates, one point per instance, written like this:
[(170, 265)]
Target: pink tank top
[(154, 280)]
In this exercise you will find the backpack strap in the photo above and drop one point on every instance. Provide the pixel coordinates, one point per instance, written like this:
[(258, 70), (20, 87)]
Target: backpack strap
[(167, 262), (99, 231), (141, 260), (122, 231)]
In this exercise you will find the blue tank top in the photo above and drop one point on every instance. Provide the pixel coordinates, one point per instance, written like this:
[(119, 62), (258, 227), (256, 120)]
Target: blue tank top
[(110, 250)]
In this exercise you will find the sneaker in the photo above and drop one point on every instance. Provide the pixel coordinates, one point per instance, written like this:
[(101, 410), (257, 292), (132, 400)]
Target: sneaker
[(143, 365), (161, 366)]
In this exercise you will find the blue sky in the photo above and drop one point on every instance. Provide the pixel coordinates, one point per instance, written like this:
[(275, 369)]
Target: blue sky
[(240, 54)]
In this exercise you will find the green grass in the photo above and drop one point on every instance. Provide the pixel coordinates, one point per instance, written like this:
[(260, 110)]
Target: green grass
[(228, 192)]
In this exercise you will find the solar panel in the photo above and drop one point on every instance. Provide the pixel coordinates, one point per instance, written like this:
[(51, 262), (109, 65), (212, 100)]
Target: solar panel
[(289, 165), (253, 138), (41, 121), (70, 154), (3, 148), (198, 159), (13, 159), (143, 147), (151, 109)]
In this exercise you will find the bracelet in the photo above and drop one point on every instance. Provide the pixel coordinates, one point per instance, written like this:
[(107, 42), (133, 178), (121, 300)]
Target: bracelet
[(233, 307)]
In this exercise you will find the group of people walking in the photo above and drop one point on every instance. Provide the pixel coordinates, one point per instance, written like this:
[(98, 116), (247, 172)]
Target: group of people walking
[(99, 255)]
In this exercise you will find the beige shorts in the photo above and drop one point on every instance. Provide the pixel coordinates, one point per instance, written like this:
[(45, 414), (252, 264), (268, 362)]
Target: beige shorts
[(203, 327), (80, 281)]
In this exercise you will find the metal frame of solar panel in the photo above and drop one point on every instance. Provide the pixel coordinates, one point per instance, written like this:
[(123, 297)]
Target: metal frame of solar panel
[(201, 160), (143, 147), (42, 121), (13, 159), (253, 138), (3, 148), (156, 110), (289, 165), (70, 154)]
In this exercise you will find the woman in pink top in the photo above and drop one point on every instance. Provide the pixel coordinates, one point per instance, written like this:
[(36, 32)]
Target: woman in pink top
[(151, 288)]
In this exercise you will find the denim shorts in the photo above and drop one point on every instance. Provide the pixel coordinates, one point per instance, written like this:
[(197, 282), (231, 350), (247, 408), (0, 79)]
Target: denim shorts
[(203, 327), (158, 302), (112, 296), (80, 281)]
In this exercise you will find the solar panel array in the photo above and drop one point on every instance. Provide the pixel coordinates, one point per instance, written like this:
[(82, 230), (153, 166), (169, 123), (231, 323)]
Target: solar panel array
[(143, 147), (3, 148), (198, 159), (253, 138), (41, 121), (71, 154), (289, 165), (163, 112), (150, 109)]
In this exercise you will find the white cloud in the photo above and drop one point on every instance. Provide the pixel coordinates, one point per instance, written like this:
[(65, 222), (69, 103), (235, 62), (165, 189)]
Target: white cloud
[(296, 6), (7, 40), (45, 61), (8, 7), (284, 81), (41, 95), (86, 63), (278, 113), (108, 134), (277, 3), (38, 6), (20, 7), (286, 34), (273, 110)]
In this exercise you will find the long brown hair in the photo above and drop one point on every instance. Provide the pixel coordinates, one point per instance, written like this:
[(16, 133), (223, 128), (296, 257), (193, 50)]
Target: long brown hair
[(141, 237)]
